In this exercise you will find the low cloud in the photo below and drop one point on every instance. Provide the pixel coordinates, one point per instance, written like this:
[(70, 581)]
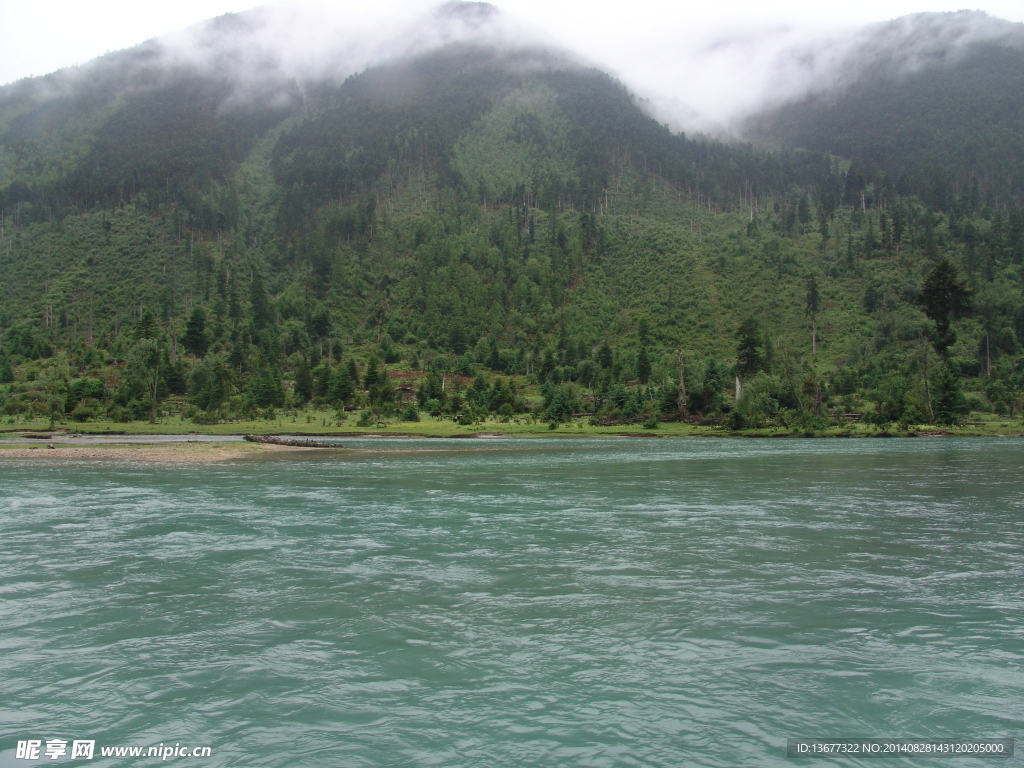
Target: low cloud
[(704, 76), (710, 77)]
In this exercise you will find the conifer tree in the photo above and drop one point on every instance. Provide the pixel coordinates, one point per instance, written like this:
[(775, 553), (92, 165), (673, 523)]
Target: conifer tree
[(195, 340), (303, 382), (373, 376), (949, 401), (493, 356), (944, 298), (146, 328), (261, 316), (643, 366), (6, 370), (750, 356), (342, 387)]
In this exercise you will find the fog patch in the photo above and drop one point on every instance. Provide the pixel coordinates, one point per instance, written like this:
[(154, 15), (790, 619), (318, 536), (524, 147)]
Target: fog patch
[(705, 75)]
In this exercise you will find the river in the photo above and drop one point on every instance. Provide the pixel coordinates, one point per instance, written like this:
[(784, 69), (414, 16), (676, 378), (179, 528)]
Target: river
[(613, 602)]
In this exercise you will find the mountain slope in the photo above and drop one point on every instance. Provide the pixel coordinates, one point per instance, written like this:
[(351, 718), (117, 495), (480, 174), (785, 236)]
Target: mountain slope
[(465, 205), (935, 101)]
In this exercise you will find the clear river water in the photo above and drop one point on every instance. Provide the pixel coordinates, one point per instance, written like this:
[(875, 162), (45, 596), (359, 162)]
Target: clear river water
[(614, 602)]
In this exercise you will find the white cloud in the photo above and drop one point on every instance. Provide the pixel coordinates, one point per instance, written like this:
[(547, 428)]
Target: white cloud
[(700, 65)]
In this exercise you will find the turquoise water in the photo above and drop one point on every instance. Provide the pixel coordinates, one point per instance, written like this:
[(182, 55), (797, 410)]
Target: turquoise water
[(517, 603)]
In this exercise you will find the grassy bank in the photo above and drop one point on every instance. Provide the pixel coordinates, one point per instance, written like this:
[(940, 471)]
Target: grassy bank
[(315, 424)]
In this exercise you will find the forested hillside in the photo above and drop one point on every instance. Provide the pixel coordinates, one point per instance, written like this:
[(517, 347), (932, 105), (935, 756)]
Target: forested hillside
[(933, 101), (476, 232)]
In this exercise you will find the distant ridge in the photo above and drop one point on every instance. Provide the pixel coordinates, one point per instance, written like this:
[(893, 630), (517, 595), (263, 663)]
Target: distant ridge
[(934, 100)]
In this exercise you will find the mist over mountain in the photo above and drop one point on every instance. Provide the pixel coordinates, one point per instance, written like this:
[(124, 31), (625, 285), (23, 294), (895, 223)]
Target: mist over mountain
[(698, 77), (301, 41), (172, 117), (934, 100)]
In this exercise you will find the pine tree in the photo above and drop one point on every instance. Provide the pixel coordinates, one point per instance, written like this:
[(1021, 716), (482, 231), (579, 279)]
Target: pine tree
[(342, 388), (373, 376), (944, 298), (500, 395), (949, 402), (322, 378), (431, 389), (146, 328), (353, 372), (804, 210), (643, 366), (195, 341), (494, 357), (750, 357), (643, 331), (264, 388), (303, 382), (479, 393), (175, 381), (261, 316)]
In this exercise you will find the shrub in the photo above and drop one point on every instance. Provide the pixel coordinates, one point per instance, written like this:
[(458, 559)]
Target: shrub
[(211, 416), (15, 406), (85, 410), (120, 414), (138, 410), (976, 404), (561, 401), (759, 403), (735, 419)]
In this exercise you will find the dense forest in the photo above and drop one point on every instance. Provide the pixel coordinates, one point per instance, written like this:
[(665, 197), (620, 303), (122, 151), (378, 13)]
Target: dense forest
[(477, 233)]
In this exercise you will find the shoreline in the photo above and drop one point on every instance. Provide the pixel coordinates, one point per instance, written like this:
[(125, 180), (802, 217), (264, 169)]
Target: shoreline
[(196, 448), (186, 432), (169, 453)]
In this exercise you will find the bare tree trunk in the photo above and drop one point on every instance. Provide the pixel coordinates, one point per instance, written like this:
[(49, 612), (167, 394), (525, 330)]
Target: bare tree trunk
[(154, 386), (814, 337), (682, 384), (927, 388)]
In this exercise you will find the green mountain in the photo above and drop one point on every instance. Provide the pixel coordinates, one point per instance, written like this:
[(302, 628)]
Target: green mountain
[(203, 242), (933, 100)]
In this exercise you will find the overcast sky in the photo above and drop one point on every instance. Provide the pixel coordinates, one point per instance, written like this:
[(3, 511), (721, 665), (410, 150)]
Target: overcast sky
[(717, 48)]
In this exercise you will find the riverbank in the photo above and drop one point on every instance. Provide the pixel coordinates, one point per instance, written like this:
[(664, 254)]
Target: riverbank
[(175, 453), (186, 443), (313, 427)]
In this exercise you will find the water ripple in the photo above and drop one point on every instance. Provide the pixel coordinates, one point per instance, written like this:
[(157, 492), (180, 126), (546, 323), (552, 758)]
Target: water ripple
[(517, 603)]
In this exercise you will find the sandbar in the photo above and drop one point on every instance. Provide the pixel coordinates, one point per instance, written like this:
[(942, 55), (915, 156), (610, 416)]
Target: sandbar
[(177, 453)]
